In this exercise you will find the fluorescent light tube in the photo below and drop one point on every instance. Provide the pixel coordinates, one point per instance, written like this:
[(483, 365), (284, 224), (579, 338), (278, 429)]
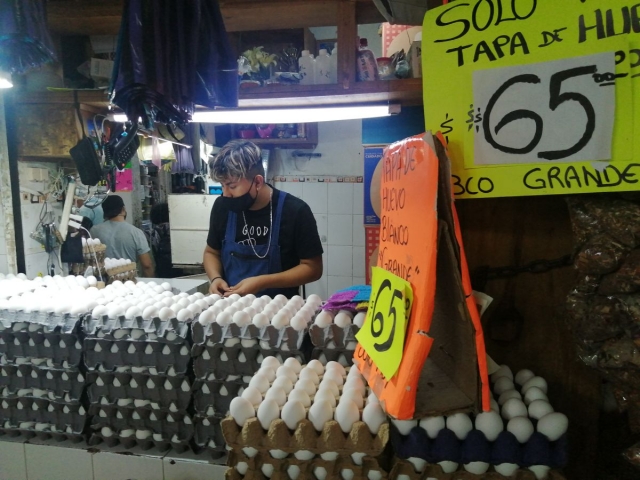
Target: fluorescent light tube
[(289, 115), (5, 79)]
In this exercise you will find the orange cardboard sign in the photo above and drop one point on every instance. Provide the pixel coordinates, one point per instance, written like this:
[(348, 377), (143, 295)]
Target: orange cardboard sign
[(408, 238)]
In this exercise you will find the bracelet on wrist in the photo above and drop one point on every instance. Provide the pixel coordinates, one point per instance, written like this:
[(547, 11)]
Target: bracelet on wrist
[(214, 278)]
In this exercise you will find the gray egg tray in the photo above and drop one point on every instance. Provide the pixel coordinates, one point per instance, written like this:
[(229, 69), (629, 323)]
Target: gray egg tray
[(169, 331), (119, 419), (62, 385), (59, 349), (208, 435), (45, 434), (109, 354), (216, 395), (12, 320), (222, 361), (324, 356), (67, 417), (334, 337), (213, 333), (139, 386)]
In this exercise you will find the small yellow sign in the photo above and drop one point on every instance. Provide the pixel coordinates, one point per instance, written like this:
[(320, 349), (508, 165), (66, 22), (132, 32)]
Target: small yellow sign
[(383, 333)]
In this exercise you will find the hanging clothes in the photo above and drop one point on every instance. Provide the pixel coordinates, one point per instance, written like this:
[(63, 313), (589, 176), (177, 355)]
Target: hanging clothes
[(25, 42), (171, 56)]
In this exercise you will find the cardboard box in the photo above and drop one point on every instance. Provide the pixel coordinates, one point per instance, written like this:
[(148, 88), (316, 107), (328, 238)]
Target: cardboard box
[(101, 68), (372, 171)]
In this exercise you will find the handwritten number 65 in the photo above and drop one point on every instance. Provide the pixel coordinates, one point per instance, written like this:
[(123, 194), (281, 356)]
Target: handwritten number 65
[(555, 100), (377, 322)]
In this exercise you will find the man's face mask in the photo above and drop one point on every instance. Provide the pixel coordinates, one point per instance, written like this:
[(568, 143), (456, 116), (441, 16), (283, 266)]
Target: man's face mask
[(241, 203)]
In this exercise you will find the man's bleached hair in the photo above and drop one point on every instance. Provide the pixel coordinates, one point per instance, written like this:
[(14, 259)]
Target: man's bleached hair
[(237, 159)]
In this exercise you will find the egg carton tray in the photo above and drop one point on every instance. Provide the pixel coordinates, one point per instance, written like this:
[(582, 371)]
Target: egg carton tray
[(341, 468), (208, 434), (326, 355), (29, 433), (434, 471), (163, 422), (110, 354), (334, 336), (18, 321), (216, 395), (129, 443), (15, 411), (55, 384), (58, 349), (137, 329), (417, 444), (285, 338), (162, 391), (223, 361), (305, 437)]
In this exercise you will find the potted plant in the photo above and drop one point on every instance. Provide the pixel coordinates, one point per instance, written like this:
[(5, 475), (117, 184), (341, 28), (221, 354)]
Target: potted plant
[(256, 64)]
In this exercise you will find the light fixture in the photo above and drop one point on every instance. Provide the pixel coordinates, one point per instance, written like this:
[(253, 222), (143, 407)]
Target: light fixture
[(5, 79), (289, 115)]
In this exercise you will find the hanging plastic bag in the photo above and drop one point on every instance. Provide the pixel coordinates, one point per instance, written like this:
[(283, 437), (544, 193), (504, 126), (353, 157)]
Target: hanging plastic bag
[(156, 158)]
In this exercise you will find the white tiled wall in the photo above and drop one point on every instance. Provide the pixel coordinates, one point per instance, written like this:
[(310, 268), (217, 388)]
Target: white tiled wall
[(337, 206)]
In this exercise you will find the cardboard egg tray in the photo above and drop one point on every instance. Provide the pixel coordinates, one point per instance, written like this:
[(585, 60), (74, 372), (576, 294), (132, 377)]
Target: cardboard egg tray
[(404, 467), (270, 337), (15, 411), (176, 429), (305, 437), (109, 354), (417, 444), (369, 468), (49, 432), (334, 337), (45, 321), (59, 349), (64, 385), (208, 435), (216, 395), (326, 355), (222, 361), (122, 273), (119, 385), (169, 331)]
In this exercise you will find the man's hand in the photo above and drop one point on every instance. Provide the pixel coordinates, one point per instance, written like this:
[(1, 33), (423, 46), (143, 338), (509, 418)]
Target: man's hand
[(219, 286), (247, 286)]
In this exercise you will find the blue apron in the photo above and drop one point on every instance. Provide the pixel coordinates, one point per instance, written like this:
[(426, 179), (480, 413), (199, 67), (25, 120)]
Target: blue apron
[(239, 261)]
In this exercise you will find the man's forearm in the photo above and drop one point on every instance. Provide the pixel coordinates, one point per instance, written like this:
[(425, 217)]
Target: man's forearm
[(148, 271), (212, 265), (294, 277)]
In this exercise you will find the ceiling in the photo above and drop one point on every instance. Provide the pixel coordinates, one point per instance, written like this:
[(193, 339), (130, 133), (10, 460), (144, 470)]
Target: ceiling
[(102, 17)]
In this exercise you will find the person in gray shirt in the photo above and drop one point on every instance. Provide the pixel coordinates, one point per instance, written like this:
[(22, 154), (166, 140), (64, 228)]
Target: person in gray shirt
[(122, 239)]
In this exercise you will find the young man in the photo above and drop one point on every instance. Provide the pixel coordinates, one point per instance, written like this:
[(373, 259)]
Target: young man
[(122, 239), (261, 240)]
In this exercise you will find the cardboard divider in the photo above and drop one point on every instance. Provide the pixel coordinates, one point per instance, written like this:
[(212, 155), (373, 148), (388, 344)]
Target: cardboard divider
[(140, 386), (342, 467), (138, 329), (305, 437), (115, 353), (286, 338), (27, 434), (216, 395), (208, 435), (404, 467), (53, 382), (66, 417), (42, 345), (341, 337), (324, 356)]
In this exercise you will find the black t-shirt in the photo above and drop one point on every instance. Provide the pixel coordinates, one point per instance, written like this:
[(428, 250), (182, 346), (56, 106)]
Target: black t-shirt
[(299, 237)]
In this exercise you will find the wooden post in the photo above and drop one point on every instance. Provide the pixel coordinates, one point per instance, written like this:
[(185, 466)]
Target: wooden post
[(6, 194), (347, 36)]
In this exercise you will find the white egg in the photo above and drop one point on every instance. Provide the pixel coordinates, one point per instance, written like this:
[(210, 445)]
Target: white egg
[(404, 426), (502, 385), (476, 468), (260, 320), (211, 299), (320, 473), (195, 309), (359, 319), (320, 413), (280, 321), (206, 317), (133, 312), (270, 362), (323, 319), (460, 424), (268, 411), (521, 427), (333, 376), (299, 323), (99, 311), (166, 286), (283, 370), (115, 311), (260, 382), (506, 469), (300, 396), (432, 425), (342, 319), (503, 371), (537, 382), (523, 376), (540, 471), (509, 394), (347, 413), (241, 410), (539, 408), (306, 386), (176, 308), (294, 364), (293, 413), (184, 315), (514, 408), (490, 424), (335, 366), (533, 394), (149, 312), (352, 396), (283, 382), (223, 319), (374, 417), (241, 318), (184, 303), (308, 373), (269, 373), (277, 394), (254, 396), (166, 314), (317, 366), (448, 466)]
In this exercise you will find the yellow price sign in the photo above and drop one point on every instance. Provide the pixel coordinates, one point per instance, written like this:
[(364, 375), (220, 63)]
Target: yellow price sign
[(383, 332)]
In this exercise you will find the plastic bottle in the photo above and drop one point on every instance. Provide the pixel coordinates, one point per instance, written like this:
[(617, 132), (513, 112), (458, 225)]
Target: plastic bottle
[(367, 67), (334, 65), (306, 67), (323, 68)]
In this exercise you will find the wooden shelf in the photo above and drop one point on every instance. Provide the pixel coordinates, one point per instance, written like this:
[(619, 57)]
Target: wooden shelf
[(310, 141)]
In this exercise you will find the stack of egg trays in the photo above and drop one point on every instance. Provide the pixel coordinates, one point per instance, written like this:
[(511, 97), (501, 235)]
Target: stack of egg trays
[(140, 381), (208, 434), (357, 450), (334, 344), (417, 444), (41, 377), (406, 469)]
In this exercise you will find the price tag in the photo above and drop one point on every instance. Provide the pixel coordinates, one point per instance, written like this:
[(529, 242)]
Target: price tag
[(556, 111), (382, 335)]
